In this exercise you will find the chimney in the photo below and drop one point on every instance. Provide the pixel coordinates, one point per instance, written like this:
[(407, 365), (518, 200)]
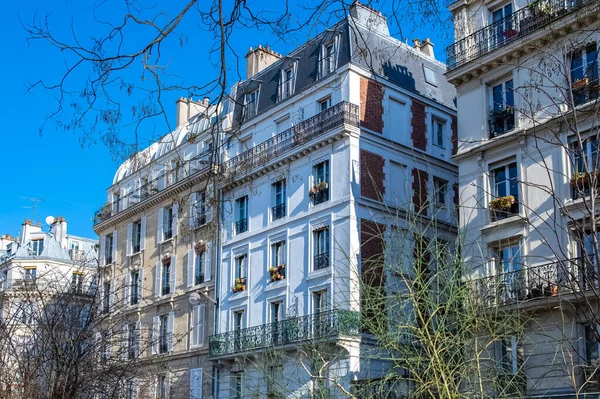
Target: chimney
[(27, 228), (187, 108), (426, 47), (259, 59), (369, 18), (59, 229)]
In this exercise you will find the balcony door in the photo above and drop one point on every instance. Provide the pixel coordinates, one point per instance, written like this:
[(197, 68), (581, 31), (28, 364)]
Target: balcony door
[(320, 313), (503, 27), (511, 279)]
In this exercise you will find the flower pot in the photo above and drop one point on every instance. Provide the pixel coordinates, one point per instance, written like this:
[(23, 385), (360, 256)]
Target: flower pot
[(509, 33), (580, 84), (553, 290)]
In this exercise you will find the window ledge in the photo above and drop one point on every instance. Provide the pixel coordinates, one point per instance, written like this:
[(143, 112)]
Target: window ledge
[(276, 285), (199, 287), (235, 296), (315, 274), (138, 253), (516, 220)]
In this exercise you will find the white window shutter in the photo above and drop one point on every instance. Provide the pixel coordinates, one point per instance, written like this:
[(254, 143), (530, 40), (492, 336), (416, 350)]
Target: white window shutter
[(140, 292), (129, 237), (101, 257), (115, 245), (143, 234), (112, 294), (190, 268), (193, 210), (138, 336), (157, 275), (155, 321), (173, 273), (109, 336), (161, 217), (175, 218), (200, 326), (196, 384), (209, 203), (336, 50), (126, 289), (170, 331), (208, 261), (124, 342), (194, 327)]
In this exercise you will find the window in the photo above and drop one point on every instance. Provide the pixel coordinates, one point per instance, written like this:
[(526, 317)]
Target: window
[(328, 58), (131, 341), (130, 390), (238, 325), (592, 344), (75, 245), (136, 238), (503, 26), (241, 206), (508, 268), (198, 325), (319, 192), (163, 337), (116, 202), (106, 297), (324, 104), (196, 383), (584, 74), (166, 281), (509, 356), (37, 247), (30, 273), (144, 188), (251, 102), (587, 275), (237, 385), (276, 318), (200, 209), (321, 248), (429, 75), (279, 194), (108, 248), (320, 308), (440, 188), (438, 132), (240, 273), (502, 118), (163, 387), (105, 345), (585, 163), (505, 192), (135, 293), (27, 313), (77, 282), (168, 223), (198, 274), (278, 254), (288, 82)]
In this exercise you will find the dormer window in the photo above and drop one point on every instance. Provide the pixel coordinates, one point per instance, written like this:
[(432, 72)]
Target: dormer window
[(251, 104), (287, 82), (37, 246), (328, 57)]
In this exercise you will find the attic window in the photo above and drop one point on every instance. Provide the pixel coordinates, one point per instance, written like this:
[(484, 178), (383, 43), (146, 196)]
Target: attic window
[(287, 82), (328, 57), (429, 75), (251, 104), (37, 246)]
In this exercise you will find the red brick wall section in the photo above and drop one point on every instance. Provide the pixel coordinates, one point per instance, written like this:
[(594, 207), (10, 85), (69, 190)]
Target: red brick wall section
[(419, 125), (420, 191), (454, 128), (372, 176), (372, 275), (371, 105)]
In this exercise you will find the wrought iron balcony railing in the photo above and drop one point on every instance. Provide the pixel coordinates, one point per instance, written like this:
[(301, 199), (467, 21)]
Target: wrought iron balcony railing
[(502, 121), (509, 29), (321, 261), (328, 324), (241, 226), (343, 113), (551, 279), (278, 211)]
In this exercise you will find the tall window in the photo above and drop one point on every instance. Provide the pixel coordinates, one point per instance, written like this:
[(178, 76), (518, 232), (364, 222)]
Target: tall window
[(131, 341), (585, 163), (277, 269), (503, 25), (237, 385), (440, 186), (320, 307), (288, 81), (240, 266), (509, 355), (168, 223), (77, 282), (108, 248), (163, 387), (198, 272), (241, 224), (30, 274), (279, 194), (588, 261), (505, 191), (592, 346), (508, 268), (321, 248), (438, 132), (144, 188), (163, 337), (136, 238), (320, 190), (166, 281), (116, 202), (276, 317), (135, 293), (106, 297), (327, 58), (200, 208), (251, 104), (502, 118), (584, 74), (238, 325), (37, 246)]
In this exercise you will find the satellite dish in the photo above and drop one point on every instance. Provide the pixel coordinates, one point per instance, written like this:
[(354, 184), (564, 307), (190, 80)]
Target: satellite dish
[(50, 220), (194, 298)]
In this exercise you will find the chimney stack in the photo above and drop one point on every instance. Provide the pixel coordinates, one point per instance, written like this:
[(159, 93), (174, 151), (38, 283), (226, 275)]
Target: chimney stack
[(187, 108), (258, 59), (426, 47), (369, 18), (27, 228), (59, 229)]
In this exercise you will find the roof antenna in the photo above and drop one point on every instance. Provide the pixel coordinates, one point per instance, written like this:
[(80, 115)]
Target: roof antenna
[(34, 207)]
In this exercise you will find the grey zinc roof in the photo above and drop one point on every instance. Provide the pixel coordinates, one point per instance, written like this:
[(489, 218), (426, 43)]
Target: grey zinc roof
[(385, 56), (52, 249)]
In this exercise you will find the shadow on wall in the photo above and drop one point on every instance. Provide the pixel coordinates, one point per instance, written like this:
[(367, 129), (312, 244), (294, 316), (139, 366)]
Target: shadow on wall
[(399, 74)]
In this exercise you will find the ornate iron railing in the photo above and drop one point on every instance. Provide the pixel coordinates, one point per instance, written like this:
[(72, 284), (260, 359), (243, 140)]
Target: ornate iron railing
[(320, 196), (502, 121), (317, 326), (321, 261), (509, 29), (241, 226), (278, 211), (551, 279), (343, 113)]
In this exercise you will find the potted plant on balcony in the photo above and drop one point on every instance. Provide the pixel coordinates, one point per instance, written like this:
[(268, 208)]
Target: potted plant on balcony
[(277, 273), (502, 205), (240, 285), (580, 83)]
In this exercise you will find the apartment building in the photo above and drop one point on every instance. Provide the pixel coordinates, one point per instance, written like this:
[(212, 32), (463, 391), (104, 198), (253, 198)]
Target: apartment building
[(157, 247), (333, 147), (38, 271), (526, 75)]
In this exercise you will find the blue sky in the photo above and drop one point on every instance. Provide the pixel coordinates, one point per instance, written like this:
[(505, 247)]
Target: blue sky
[(71, 177)]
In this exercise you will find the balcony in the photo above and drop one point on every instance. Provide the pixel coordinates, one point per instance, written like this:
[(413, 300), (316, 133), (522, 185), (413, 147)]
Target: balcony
[(509, 29), (343, 113), (319, 193), (318, 326), (278, 211), (321, 261), (241, 226), (583, 183), (504, 207), (548, 280), (501, 121), (585, 91)]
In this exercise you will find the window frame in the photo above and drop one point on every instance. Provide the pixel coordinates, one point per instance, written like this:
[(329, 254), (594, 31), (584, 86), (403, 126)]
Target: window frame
[(251, 98), (165, 281), (167, 223), (438, 128)]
